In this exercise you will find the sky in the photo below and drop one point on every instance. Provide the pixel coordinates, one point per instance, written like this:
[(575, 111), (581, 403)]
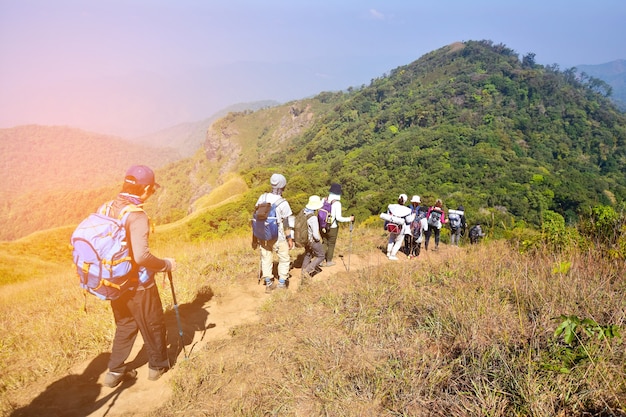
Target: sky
[(132, 67)]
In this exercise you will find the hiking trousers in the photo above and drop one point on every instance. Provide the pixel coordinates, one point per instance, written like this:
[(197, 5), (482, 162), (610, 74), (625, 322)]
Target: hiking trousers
[(394, 243), (428, 233), (281, 247), (455, 237), (313, 257), (139, 311), (329, 240)]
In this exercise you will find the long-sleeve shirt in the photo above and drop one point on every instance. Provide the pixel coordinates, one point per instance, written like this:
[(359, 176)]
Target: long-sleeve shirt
[(335, 210), (138, 230), (313, 225)]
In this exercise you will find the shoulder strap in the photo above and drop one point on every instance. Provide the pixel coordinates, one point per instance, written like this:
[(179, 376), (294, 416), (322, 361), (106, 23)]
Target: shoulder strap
[(107, 207), (279, 202)]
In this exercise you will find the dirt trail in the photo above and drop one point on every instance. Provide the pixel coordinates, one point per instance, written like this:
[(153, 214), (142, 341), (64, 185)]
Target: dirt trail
[(81, 393)]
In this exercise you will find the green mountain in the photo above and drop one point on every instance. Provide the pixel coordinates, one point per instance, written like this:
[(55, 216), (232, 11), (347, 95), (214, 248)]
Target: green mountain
[(475, 125), (470, 123)]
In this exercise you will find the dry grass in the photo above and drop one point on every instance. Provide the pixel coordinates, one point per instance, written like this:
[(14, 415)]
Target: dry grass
[(455, 335), (466, 332), (45, 331)]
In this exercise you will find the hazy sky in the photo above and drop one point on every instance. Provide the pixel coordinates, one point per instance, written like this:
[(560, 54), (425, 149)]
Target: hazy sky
[(130, 67)]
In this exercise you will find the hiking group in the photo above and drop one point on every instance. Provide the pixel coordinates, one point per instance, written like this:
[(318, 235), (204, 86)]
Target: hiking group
[(409, 226), (113, 260), (276, 230)]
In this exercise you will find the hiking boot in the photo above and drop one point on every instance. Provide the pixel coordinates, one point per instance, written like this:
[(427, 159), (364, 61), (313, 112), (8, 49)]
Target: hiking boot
[(331, 263), (154, 374), (269, 287), (113, 379), (283, 285)]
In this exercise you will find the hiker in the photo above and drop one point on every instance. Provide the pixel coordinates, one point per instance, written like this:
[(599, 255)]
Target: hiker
[(436, 219), (330, 233), (476, 233), (456, 221), (314, 250), (140, 308), (282, 243), (411, 246), (400, 218)]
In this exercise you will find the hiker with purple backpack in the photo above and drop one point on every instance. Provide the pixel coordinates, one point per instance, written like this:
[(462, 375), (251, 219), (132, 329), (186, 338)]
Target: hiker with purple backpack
[(330, 216)]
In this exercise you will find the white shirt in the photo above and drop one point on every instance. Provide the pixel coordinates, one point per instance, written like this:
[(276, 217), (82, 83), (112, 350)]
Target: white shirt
[(335, 210), (283, 211)]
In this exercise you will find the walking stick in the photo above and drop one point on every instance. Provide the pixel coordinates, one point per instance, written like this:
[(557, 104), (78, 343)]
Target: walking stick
[(350, 246), (180, 326)]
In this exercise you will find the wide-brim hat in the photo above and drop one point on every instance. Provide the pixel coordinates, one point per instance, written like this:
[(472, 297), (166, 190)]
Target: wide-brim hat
[(315, 203), (416, 199)]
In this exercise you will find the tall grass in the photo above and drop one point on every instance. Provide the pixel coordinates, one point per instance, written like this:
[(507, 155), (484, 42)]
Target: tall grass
[(465, 331), (468, 333), (45, 330)]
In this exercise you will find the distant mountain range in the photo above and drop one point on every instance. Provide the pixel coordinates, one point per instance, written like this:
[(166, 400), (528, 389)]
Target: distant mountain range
[(613, 73), (469, 123)]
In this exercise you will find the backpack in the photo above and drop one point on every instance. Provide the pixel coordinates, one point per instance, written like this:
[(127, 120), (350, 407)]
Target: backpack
[(475, 233), (301, 229), (102, 254), (434, 219), (416, 227), (265, 221), (455, 221), (394, 222), (324, 215)]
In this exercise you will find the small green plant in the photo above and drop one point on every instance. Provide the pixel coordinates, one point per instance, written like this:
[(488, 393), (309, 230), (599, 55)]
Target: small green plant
[(576, 335)]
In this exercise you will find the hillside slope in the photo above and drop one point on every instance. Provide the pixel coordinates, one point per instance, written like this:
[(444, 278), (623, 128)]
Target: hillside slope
[(49, 173), (470, 123)]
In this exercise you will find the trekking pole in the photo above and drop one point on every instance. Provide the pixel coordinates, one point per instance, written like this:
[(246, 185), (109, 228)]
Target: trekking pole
[(350, 246), (180, 326)]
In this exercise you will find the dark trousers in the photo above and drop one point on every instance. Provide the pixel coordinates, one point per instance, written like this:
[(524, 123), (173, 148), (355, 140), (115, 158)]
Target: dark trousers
[(139, 311), (411, 246), (313, 256), (330, 239), (430, 232)]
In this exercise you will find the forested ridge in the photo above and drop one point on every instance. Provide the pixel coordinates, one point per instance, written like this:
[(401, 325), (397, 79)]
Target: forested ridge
[(472, 123)]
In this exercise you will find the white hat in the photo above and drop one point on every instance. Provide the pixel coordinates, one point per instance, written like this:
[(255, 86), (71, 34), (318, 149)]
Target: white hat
[(403, 197), (315, 202), (278, 181), (416, 199)]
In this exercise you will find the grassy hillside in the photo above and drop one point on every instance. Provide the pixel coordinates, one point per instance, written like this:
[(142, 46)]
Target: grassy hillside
[(464, 331), (470, 333), (53, 175)]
